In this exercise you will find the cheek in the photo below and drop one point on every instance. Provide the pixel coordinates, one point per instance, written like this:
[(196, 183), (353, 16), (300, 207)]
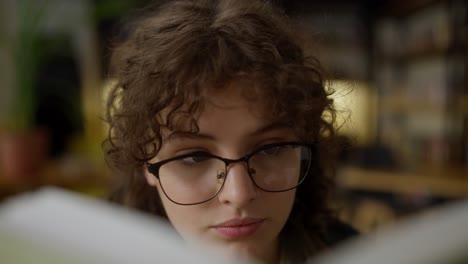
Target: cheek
[(181, 217), (185, 219), (182, 221), (282, 205)]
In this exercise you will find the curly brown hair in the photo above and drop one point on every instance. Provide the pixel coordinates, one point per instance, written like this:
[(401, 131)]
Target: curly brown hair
[(178, 52)]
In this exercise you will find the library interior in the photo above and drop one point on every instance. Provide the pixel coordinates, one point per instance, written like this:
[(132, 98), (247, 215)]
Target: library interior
[(398, 70)]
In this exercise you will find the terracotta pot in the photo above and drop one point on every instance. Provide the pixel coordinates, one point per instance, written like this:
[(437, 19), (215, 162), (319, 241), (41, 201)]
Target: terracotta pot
[(23, 155)]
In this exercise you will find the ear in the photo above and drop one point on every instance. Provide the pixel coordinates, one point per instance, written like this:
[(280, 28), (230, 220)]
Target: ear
[(150, 178)]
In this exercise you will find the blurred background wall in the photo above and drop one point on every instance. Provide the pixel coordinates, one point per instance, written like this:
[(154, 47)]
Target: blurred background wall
[(398, 69)]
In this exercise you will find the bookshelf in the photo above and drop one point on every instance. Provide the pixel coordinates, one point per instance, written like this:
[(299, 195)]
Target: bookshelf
[(420, 61)]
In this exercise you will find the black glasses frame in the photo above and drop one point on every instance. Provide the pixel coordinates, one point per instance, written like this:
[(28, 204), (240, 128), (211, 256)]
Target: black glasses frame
[(153, 168)]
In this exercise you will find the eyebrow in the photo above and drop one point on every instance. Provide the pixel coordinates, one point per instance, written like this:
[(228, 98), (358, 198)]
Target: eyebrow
[(269, 127), (177, 135)]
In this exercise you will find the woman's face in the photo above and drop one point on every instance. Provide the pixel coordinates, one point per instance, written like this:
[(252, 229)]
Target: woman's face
[(242, 219)]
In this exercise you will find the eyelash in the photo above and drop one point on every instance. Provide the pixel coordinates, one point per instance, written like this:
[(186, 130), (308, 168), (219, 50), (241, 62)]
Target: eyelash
[(269, 141), (191, 151)]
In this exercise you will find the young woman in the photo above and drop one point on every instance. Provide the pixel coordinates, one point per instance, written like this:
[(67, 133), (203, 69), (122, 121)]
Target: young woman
[(220, 123)]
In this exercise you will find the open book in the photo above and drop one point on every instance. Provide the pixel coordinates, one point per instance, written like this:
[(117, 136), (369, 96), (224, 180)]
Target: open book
[(57, 226), (438, 236)]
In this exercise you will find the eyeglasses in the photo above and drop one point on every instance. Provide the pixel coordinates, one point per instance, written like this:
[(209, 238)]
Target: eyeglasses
[(198, 177)]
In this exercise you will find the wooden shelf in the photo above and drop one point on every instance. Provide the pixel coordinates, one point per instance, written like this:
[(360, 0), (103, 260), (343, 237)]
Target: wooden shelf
[(452, 183), (91, 178)]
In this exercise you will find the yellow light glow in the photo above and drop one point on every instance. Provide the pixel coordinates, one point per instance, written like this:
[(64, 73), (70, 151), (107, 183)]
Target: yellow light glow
[(356, 105)]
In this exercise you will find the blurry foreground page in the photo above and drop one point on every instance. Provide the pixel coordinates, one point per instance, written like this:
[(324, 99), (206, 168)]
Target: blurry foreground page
[(439, 236), (57, 226)]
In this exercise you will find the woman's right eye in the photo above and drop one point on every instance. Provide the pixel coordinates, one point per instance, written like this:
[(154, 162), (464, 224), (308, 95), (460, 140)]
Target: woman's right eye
[(196, 158)]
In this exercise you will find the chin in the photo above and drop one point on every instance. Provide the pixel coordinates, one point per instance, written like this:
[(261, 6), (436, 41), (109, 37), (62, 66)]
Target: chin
[(245, 250)]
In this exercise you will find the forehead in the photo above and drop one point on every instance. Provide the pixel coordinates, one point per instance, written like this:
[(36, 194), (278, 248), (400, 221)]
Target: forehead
[(234, 95), (237, 100)]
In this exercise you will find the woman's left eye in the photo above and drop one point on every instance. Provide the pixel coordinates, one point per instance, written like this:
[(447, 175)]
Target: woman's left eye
[(272, 151), (191, 151)]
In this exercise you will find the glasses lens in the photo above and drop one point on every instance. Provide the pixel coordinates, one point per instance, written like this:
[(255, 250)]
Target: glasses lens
[(193, 179), (280, 168)]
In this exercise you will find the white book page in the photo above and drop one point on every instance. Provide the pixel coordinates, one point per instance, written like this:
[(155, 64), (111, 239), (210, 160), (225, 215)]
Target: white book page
[(439, 236), (58, 226)]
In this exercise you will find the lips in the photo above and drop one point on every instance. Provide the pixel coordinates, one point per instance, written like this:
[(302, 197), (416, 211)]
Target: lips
[(239, 228)]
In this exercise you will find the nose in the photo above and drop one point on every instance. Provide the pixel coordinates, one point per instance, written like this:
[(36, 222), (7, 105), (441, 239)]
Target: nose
[(238, 190)]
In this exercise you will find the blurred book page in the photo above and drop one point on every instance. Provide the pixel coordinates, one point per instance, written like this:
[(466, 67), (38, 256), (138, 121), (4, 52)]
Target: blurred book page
[(58, 226), (439, 236)]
